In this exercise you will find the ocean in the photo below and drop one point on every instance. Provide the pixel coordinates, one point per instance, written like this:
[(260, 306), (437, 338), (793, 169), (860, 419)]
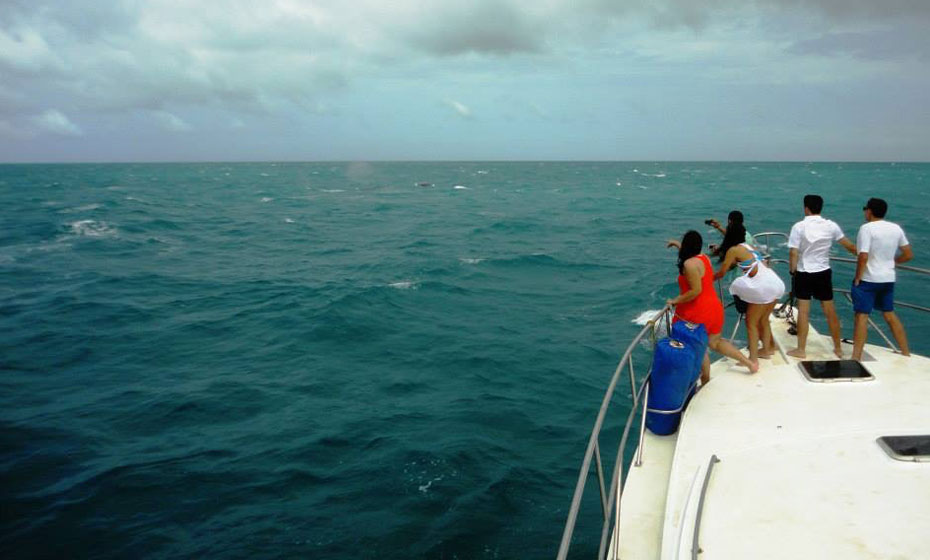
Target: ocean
[(334, 360)]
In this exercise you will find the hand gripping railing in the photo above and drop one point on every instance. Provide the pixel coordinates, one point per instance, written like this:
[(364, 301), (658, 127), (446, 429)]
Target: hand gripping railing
[(610, 499)]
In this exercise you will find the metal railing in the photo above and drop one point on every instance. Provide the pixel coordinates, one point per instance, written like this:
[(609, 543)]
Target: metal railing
[(610, 499)]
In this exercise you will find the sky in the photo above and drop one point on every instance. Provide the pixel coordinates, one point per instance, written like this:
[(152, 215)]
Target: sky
[(372, 80)]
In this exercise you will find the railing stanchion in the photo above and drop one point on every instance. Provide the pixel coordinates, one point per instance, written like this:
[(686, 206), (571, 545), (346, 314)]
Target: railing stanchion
[(600, 480), (633, 379), (642, 427), (739, 320)]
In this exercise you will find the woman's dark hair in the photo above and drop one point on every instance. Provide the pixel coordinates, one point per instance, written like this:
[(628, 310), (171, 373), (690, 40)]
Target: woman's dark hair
[(736, 234), (691, 245)]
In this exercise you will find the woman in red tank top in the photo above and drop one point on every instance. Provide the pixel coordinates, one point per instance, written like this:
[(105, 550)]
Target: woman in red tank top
[(697, 301)]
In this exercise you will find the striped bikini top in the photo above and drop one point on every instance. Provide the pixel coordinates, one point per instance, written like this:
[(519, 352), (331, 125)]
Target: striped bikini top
[(749, 264)]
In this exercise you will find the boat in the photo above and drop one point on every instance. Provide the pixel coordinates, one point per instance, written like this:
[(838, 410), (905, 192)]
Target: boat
[(819, 458)]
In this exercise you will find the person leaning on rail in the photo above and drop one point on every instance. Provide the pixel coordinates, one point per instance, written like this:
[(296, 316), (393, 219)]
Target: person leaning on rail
[(873, 286), (809, 261), (697, 301)]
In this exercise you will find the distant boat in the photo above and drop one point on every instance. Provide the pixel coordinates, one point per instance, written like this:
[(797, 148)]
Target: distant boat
[(424, 184)]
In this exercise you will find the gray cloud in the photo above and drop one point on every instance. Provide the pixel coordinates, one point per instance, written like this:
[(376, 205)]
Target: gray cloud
[(168, 57), (488, 26), (903, 42)]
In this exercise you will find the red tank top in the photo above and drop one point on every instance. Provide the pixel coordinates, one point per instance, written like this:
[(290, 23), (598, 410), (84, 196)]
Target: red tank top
[(706, 308)]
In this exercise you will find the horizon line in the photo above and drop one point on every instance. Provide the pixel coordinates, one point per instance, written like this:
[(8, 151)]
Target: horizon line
[(330, 161)]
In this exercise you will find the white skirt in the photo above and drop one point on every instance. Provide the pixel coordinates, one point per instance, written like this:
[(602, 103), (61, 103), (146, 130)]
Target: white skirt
[(764, 287)]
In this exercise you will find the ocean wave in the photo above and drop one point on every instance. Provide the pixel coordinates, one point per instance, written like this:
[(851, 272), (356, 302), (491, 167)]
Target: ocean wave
[(545, 260), (643, 318), (77, 209), (404, 285), (92, 228), (471, 260)]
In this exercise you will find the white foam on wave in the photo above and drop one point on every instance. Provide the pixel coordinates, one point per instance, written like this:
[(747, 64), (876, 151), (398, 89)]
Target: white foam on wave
[(406, 285), (470, 260), (333, 190), (460, 187), (84, 208), (92, 228), (288, 221), (267, 199), (619, 184), (643, 318), (425, 487)]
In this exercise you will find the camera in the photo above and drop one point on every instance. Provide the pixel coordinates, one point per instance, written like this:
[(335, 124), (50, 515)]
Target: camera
[(709, 222)]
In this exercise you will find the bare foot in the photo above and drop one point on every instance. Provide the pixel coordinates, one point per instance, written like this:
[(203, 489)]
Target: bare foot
[(797, 353), (838, 352), (766, 355), (753, 366)]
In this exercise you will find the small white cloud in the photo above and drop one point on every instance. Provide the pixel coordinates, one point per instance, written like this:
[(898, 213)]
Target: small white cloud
[(172, 122), (56, 122), (459, 108)]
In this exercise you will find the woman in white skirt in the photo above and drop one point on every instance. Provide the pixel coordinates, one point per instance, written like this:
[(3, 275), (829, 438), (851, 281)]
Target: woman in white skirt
[(758, 286)]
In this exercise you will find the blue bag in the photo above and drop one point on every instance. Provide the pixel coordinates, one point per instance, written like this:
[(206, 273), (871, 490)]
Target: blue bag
[(695, 336), (670, 385)]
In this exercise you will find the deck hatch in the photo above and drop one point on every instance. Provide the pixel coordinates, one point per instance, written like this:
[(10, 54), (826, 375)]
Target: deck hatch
[(827, 371), (907, 448)]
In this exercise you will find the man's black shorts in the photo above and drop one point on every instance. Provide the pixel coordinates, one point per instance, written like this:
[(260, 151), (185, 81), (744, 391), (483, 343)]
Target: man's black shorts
[(816, 284)]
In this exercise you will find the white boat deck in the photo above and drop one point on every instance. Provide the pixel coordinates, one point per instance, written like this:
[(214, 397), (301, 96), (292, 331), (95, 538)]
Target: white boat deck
[(800, 474)]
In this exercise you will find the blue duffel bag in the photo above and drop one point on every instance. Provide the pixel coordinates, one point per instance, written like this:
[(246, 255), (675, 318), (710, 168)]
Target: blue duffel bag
[(670, 385), (695, 336)]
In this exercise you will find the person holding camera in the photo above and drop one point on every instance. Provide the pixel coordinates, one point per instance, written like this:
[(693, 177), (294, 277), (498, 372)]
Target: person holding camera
[(733, 218)]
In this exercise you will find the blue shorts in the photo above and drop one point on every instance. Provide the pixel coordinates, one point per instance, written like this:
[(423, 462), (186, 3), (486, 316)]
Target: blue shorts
[(867, 295)]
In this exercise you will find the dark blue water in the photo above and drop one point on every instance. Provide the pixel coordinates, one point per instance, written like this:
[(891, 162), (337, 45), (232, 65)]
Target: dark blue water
[(329, 360)]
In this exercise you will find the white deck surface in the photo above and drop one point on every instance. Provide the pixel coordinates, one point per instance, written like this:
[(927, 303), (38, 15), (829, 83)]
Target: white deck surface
[(800, 474)]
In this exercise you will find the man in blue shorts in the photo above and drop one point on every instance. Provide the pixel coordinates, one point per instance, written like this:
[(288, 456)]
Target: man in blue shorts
[(809, 242), (873, 286)]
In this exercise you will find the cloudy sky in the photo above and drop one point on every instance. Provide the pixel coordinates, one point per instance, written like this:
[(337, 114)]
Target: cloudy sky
[(173, 80)]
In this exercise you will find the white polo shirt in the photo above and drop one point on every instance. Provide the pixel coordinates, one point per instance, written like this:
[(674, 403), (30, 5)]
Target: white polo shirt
[(812, 237), (881, 240)]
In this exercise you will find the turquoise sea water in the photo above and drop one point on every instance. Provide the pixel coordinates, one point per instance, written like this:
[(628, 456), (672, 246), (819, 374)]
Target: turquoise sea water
[(330, 360)]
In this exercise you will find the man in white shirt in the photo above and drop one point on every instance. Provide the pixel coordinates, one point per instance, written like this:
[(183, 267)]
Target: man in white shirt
[(809, 261), (873, 286)]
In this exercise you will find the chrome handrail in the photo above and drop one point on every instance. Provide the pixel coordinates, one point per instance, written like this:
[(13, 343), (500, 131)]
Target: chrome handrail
[(896, 266), (616, 487)]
